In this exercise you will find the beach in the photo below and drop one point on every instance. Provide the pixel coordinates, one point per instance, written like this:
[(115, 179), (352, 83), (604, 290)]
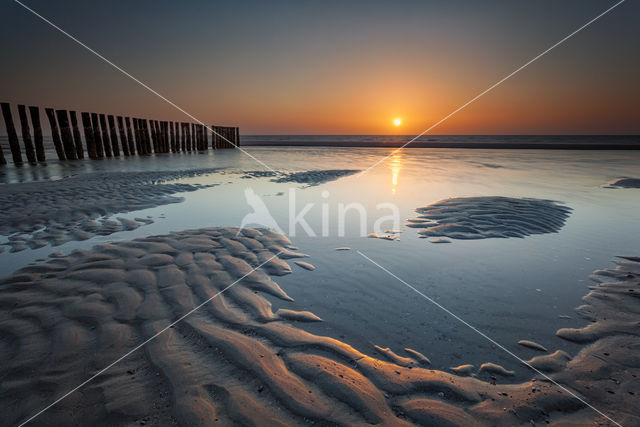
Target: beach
[(259, 326)]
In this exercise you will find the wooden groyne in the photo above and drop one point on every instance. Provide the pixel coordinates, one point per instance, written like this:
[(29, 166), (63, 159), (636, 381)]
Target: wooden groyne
[(106, 135)]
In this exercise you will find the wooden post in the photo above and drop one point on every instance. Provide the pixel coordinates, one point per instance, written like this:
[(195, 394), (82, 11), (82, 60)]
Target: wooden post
[(136, 130), (34, 112), (77, 139), (132, 147), (57, 142), (205, 137), (167, 142), (163, 138), (154, 134), (123, 137), (142, 125), (14, 144), (159, 134), (139, 136), (105, 135), (183, 140), (172, 135), (26, 134), (147, 136), (237, 137), (88, 135), (194, 145), (97, 136), (65, 132), (3, 161), (113, 135)]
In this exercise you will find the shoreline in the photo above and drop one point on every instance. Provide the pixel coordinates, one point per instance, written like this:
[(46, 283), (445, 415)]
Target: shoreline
[(478, 145)]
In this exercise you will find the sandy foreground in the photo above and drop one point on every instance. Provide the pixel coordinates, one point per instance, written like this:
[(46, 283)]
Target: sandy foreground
[(235, 361)]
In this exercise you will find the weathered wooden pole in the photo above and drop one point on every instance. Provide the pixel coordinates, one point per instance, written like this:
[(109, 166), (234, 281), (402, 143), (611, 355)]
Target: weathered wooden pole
[(183, 138), (140, 143), (97, 135), (237, 137), (123, 136), (55, 134), (223, 137), (154, 134), (214, 137), (147, 136), (176, 133), (113, 135), (77, 139), (65, 132), (136, 131), (160, 136), (172, 135), (163, 138), (144, 133), (105, 135), (192, 136), (132, 146), (14, 144), (34, 112), (26, 134), (167, 142), (205, 137), (3, 161), (88, 135)]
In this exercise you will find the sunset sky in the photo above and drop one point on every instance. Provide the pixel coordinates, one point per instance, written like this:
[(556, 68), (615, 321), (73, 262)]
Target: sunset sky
[(311, 67)]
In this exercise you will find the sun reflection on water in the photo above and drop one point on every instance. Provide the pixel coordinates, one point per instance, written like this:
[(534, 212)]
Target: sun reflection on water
[(396, 166)]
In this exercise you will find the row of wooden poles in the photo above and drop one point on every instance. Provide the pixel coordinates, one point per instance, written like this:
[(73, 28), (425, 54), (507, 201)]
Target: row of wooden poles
[(102, 139)]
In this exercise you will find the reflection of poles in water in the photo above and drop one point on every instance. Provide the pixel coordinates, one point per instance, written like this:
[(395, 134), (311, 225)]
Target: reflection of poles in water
[(260, 214)]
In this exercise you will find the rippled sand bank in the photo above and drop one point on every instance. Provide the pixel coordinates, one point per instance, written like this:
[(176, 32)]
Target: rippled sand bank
[(236, 361)]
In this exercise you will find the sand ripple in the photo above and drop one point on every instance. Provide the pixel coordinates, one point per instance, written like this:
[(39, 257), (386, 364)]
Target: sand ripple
[(487, 217), (236, 362), (81, 207), (312, 177)]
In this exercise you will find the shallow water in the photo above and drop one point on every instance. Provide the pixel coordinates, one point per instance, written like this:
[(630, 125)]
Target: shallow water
[(511, 289)]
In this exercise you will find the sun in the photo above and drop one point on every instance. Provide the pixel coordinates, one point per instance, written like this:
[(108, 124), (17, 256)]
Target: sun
[(397, 122)]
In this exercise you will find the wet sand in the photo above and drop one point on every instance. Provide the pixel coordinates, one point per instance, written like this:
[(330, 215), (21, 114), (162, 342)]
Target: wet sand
[(489, 217), (36, 214), (235, 361)]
